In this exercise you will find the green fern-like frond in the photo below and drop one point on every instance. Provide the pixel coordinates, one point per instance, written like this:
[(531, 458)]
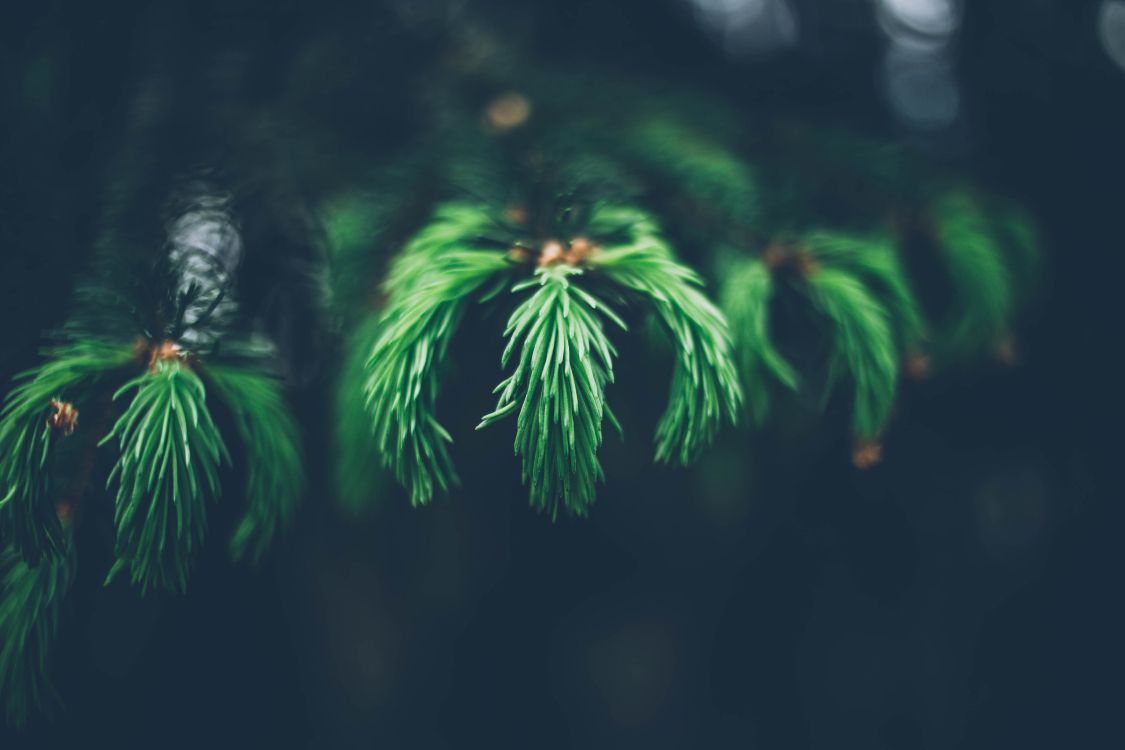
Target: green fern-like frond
[(975, 263), (167, 470), (875, 261), (864, 345), (26, 508), (745, 293), (558, 387), (428, 287), (31, 599), (274, 470), (705, 390)]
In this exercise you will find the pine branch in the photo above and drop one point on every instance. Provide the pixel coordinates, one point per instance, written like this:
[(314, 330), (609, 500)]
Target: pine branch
[(26, 506), (976, 266), (705, 390), (558, 387), (864, 344), (170, 452), (428, 287), (274, 470), (31, 601), (745, 294), (876, 263)]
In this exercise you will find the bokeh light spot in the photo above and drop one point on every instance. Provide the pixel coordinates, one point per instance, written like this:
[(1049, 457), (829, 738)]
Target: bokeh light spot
[(1111, 29)]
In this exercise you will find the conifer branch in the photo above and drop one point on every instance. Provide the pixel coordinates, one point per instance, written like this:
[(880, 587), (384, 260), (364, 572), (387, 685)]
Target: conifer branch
[(875, 262), (558, 387), (428, 287), (31, 599), (745, 294), (27, 510), (705, 390), (274, 470), (976, 267), (167, 470), (864, 345)]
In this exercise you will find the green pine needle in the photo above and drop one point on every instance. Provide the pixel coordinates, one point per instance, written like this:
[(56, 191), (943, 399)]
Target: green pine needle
[(705, 389), (875, 261), (31, 601), (428, 287), (864, 344), (26, 508), (170, 452), (745, 294), (558, 387), (274, 469), (976, 265)]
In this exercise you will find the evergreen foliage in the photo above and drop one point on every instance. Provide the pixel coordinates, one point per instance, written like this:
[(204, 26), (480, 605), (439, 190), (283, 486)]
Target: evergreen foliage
[(977, 269), (149, 353), (274, 467), (27, 505), (558, 387), (166, 471), (574, 243), (746, 291), (571, 204), (429, 286), (31, 598), (598, 164)]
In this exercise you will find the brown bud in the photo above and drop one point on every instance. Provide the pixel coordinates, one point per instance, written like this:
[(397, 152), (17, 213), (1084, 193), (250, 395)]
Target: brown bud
[(65, 417), (580, 250), (516, 214), (866, 452), (917, 366), (551, 253), (164, 352), (776, 255), (507, 111), (805, 263)]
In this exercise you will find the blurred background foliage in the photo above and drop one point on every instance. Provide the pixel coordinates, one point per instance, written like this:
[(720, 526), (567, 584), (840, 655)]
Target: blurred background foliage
[(956, 596)]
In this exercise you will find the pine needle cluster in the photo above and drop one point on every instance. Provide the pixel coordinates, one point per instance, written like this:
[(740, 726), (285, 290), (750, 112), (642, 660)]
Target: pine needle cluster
[(570, 257), (167, 470), (31, 599), (142, 370), (837, 221), (557, 390), (767, 231)]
